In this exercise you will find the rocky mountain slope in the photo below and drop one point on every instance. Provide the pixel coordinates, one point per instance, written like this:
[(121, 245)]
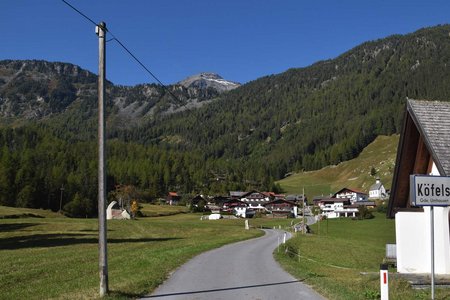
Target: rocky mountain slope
[(205, 139), (209, 80), (35, 90)]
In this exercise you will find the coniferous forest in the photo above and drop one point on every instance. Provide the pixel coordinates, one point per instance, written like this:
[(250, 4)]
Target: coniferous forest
[(302, 119)]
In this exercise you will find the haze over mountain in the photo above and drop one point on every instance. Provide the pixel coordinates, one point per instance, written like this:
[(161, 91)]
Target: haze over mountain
[(210, 138)]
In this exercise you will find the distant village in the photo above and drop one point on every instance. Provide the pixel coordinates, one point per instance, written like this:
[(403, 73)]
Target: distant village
[(344, 203)]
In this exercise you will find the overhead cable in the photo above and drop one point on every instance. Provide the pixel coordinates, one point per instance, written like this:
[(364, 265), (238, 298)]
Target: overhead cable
[(125, 48)]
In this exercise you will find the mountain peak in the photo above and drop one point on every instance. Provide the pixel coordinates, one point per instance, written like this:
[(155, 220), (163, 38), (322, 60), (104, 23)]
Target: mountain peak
[(206, 79)]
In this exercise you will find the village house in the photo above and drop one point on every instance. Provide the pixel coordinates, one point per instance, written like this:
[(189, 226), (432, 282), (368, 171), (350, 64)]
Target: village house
[(336, 207), (172, 198), (237, 194), (352, 194), (424, 148), (297, 199), (281, 208), (198, 199), (377, 190), (256, 200)]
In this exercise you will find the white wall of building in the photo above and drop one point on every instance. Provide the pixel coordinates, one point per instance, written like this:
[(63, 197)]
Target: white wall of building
[(413, 231), (413, 234)]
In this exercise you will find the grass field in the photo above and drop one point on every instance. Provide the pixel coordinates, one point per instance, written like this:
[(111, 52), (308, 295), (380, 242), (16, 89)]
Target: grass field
[(54, 257), (149, 210), (332, 259), (355, 173)]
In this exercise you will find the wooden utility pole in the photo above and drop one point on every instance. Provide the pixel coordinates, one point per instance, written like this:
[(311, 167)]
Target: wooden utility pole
[(103, 259)]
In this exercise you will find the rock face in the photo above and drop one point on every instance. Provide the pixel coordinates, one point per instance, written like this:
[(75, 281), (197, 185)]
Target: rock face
[(34, 90), (209, 80)]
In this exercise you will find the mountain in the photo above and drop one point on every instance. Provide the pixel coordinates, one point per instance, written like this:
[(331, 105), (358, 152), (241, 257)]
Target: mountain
[(308, 118), (35, 90), (205, 140), (209, 80)]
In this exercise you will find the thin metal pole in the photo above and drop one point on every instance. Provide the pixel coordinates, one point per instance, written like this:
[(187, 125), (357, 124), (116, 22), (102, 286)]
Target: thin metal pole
[(103, 260), (60, 199), (432, 250), (303, 208)]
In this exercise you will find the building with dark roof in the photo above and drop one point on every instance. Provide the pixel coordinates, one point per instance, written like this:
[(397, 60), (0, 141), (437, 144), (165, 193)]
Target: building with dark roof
[(424, 148), (352, 194)]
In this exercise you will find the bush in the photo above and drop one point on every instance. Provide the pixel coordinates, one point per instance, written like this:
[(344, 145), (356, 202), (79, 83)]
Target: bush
[(78, 207), (364, 213)]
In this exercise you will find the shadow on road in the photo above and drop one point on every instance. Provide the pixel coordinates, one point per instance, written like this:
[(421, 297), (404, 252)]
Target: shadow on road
[(222, 289)]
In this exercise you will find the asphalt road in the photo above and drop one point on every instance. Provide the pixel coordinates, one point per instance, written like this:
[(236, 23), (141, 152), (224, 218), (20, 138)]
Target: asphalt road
[(244, 270)]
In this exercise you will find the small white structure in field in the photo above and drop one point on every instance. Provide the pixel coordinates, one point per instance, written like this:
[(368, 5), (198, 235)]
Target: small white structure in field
[(118, 214), (214, 217)]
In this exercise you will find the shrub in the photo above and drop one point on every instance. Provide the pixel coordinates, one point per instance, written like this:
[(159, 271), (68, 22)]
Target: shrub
[(78, 207)]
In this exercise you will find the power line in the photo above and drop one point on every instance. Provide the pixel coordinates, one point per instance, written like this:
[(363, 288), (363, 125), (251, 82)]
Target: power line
[(75, 9), (143, 66), (126, 49)]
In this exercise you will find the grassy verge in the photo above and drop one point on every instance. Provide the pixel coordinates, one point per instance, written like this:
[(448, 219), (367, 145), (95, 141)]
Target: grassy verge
[(333, 258), (57, 257)]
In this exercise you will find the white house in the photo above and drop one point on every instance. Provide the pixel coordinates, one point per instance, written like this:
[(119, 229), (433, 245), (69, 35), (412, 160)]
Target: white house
[(424, 148), (377, 190), (336, 207), (352, 194), (256, 200)]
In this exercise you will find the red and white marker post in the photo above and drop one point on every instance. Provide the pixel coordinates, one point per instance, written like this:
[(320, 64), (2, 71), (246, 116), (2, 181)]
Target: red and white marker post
[(384, 282)]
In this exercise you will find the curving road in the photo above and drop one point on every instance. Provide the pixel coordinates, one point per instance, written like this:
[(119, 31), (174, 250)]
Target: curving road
[(244, 270)]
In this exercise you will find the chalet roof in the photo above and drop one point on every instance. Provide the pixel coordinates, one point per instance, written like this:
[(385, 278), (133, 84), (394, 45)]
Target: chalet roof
[(237, 193), (280, 201), (432, 119), (349, 189), (262, 195), (173, 194), (425, 138), (332, 200), (376, 186), (294, 197)]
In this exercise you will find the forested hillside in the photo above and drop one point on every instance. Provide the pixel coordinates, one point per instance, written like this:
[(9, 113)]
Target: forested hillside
[(246, 138), (323, 114)]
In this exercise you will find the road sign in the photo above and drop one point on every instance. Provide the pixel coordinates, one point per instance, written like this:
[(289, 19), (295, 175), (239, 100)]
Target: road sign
[(428, 190)]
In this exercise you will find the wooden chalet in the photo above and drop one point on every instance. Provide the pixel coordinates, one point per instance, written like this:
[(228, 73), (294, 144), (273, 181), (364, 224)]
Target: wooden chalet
[(281, 208), (352, 194), (297, 199), (172, 198), (198, 199), (424, 148), (256, 200)]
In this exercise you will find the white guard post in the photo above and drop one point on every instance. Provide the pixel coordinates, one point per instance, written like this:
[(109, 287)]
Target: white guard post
[(384, 282)]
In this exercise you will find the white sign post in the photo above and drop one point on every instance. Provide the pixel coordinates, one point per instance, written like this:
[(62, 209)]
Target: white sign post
[(430, 191), (384, 282)]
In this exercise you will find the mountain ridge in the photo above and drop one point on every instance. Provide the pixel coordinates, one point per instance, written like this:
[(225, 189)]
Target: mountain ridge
[(243, 139), (36, 89)]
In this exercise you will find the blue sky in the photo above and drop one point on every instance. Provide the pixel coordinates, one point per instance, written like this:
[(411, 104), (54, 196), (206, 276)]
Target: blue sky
[(241, 40)]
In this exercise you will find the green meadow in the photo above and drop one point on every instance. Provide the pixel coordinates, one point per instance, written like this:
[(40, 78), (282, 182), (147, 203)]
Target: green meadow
[(356, 173), (341, 260), (44, 255)]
